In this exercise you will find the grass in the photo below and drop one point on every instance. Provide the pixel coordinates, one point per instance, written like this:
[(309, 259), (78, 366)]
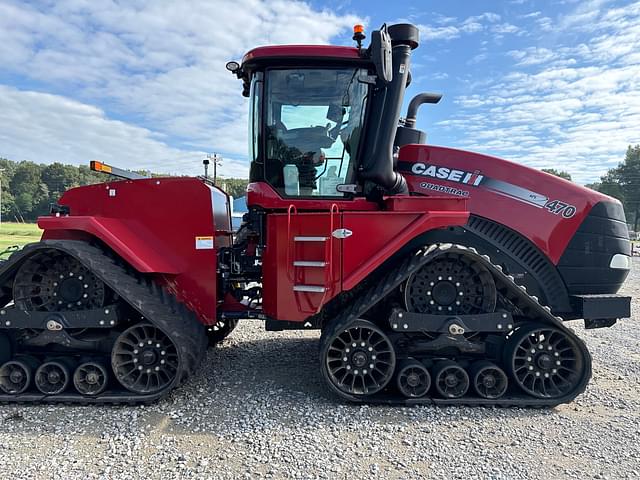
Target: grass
[(18, 234)]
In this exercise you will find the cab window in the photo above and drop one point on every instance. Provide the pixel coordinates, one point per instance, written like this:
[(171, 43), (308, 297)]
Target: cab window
[(313, 123)]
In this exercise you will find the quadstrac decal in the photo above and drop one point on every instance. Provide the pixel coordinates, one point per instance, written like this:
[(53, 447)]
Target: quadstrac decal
[(444, 189)]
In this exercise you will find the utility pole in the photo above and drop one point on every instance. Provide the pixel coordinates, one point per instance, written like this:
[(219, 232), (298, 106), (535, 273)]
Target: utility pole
[(217, 160)]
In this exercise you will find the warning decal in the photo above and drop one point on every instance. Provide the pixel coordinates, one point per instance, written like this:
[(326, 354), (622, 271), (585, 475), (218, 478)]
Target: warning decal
[(204, 243)]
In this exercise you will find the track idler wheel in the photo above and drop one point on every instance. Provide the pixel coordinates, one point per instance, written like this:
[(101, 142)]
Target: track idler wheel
[(221, 330), (546, 362), (451, 380), (413, 379), (53, 377), (488, 380), (144, 359), (16, 375), (91, 378), (359, 359)]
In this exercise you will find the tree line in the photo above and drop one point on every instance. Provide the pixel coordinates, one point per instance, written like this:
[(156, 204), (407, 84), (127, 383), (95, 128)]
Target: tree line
[(29, 189)]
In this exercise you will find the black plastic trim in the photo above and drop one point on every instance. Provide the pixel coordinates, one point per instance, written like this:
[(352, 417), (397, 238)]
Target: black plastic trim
[(584, 265)]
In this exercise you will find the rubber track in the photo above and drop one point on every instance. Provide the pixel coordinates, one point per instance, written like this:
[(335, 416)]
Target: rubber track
[(505, 284), (153, 302)]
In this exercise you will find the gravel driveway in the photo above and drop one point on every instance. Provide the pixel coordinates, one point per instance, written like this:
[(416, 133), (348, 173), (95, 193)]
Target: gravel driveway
[(259, 410)]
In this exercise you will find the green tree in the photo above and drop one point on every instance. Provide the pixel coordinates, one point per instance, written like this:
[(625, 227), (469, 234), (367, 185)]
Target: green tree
[(236, 187), (623, 183), (558, 173)]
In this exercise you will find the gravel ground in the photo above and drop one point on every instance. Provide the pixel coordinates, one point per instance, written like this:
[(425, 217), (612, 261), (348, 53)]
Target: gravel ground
[(258, 409)]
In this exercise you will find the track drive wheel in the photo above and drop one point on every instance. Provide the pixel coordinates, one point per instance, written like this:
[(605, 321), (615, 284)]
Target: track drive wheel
[(144, 359), (53, 281), (221, 330), (546, 362), (357, 360), (451, 284)]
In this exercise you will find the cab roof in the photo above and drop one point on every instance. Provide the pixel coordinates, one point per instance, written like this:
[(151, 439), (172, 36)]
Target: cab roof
[(311, 52)]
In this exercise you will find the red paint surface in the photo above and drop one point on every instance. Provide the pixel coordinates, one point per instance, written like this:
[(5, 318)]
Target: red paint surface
[(377, 235), (302, 51), (551, 233), (263, 195), (152, 224)]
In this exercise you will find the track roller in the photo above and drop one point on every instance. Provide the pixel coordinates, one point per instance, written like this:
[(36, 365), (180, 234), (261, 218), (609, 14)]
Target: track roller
[(488, 380), (16, 375), (413, 379), (53, 377), (358, 359), (91, 378), (451, 379)]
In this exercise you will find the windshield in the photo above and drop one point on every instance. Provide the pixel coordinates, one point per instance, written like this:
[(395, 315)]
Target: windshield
[(313, 122)]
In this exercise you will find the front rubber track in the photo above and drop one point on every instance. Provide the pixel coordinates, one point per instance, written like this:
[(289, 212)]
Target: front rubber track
[(149, 299), (506, 286)]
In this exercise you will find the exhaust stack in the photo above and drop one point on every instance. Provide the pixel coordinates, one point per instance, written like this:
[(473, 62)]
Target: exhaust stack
[(378, 163)]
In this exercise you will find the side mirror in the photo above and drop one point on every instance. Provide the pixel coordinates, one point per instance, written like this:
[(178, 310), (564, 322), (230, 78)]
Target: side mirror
[(380, 51)]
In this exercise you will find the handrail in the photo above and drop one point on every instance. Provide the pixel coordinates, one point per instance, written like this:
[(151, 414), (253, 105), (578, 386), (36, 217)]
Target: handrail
[(329, 259), (290, 242)]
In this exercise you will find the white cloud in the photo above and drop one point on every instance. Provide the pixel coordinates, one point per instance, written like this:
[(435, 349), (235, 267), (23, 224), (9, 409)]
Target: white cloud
[(158, 63), (574, 106)]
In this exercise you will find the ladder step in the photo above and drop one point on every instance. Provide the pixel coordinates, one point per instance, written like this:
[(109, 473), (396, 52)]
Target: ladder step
[(305, 263), (309, 239), (309, 288)]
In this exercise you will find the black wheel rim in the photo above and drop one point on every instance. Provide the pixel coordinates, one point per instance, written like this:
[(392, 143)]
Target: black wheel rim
[(413, 380), (90, 378), (144, 359), (52, 378), (53, 281), (452, 381), (452, 284), (15, 377), (545, 362), (490, 382), (360, 359)]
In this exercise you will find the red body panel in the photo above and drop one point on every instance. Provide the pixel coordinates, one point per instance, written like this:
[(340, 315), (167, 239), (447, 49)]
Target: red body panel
[(153, 225), (263, 195), (376, 236), (506, 192)]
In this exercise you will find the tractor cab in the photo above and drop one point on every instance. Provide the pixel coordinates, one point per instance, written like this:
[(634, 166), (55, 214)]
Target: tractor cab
[(323, 118)]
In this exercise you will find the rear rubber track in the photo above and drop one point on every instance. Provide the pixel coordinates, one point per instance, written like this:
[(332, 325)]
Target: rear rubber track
[(530, 307), (149, 299)]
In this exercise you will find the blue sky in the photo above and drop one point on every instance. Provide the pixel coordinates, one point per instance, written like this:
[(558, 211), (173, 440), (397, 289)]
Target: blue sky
[(142, 83)]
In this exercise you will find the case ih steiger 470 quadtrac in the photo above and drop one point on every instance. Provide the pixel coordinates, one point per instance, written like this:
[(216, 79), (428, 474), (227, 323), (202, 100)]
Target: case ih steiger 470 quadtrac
[(434, 274)]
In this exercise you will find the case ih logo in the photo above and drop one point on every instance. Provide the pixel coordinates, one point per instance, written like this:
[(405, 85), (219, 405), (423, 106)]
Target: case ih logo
[(444, 173)]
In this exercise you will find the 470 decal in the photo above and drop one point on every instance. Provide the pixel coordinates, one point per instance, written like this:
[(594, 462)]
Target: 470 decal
[(560, 208)]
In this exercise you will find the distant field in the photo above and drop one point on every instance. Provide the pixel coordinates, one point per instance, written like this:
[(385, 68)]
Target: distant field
[(18, 234)]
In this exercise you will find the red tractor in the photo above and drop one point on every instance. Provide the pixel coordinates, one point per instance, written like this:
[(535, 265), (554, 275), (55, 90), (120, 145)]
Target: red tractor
[(435, 275)]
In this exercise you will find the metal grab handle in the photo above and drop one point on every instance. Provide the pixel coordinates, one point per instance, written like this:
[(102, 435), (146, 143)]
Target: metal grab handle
[(290, 244), (328, 259)]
